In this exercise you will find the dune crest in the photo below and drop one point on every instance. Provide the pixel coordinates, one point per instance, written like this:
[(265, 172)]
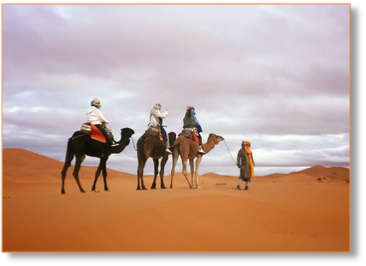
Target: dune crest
[(279, 213), (26, 166)]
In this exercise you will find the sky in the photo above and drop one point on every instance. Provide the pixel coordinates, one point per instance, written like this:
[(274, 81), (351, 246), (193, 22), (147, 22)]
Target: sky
[(276, 75)]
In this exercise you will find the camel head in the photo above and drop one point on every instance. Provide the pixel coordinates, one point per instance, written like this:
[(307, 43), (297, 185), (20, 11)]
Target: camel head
[(215, 138), (172, 137), (127, 132), (172, 134)]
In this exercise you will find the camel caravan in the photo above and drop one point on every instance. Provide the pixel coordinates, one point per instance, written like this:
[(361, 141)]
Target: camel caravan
[(96, 140)]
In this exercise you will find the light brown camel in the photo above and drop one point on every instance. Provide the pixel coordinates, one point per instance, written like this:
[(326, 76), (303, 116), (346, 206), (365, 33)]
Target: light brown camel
[(188, 149), (149, 145)]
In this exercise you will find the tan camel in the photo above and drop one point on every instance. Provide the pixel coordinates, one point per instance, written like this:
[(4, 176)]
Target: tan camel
[(188, 149)]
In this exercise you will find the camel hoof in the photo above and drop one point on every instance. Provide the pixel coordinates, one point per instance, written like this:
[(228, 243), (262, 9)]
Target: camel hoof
[(82, 191), (163, 187), (153, 188), (198, 187), (63, 192)]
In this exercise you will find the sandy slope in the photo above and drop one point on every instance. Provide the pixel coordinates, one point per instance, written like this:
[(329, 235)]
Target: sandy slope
[(279, 213)]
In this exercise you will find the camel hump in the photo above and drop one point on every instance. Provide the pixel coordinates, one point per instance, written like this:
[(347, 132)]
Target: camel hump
[(146, 135), (186, 133)]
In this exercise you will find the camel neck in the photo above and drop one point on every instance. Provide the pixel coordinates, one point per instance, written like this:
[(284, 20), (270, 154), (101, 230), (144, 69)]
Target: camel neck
[(122, 145), (207, 147)]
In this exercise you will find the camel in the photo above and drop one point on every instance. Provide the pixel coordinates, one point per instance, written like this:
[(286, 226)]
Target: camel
[(188, 149), (80, 145), (148, 146)]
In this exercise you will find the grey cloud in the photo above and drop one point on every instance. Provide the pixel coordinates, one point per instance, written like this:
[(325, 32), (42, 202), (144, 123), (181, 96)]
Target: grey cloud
[(278, 75)]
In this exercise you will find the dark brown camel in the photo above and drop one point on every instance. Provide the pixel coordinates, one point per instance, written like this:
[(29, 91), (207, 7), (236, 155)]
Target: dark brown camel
[(80, 145), (188, 149), (148, 146)]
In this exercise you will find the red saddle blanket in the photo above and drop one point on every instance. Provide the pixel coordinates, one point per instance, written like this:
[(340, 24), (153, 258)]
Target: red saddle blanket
[(195, 138), (97, 135), (189, 135)]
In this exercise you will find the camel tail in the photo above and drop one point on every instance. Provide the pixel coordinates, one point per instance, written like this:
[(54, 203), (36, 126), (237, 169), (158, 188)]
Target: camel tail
[(140, 150), (175, 145), (69, 154)]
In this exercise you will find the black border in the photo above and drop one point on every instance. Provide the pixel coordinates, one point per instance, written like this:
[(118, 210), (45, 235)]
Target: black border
[(357, 193)]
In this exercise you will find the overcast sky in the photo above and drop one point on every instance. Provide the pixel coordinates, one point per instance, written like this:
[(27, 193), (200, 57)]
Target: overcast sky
[(276, 75)]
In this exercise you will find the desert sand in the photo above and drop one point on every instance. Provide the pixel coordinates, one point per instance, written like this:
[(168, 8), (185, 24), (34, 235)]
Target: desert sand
[(307, 211)]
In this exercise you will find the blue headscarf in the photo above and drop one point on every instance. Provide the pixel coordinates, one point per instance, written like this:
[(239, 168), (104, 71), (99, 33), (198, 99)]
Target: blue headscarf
[(199, 128)]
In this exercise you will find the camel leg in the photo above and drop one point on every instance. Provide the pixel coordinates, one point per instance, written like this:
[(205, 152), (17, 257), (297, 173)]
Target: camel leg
[(140, 175), (198, 162), (156, 171), (104, 171), (192, 172), (68, 159), (97, 174), (162, 167), (79, 160), (63, 174), (175, 159), (184, 162)]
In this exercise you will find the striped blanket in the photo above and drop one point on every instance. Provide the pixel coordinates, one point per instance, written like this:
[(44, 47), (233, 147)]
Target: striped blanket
[(97, 135)]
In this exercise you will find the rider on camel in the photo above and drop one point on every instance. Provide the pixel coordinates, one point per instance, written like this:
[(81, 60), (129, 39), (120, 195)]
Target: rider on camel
[(191, 123), (156, 122), (96, 118)]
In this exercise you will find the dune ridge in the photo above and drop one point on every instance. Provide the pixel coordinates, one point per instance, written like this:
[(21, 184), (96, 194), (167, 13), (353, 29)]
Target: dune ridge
[(26, 166), (280, 213), (32, 164)]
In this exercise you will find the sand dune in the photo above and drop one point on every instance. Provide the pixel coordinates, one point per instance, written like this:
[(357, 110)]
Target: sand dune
[(26, 166), (332, 173), (293, 212)]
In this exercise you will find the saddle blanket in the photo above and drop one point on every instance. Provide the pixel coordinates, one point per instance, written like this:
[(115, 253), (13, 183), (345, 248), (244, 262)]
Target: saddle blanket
[(155, 132), (97, 135), (189, 134), (94, 132)]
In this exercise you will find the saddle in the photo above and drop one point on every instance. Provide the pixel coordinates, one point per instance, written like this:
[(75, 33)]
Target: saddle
[(155, 132), (189, 135), (95, 133)]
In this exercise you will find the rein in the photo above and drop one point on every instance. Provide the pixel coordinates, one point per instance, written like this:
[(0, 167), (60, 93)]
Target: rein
[(133, 143), (230, 153)]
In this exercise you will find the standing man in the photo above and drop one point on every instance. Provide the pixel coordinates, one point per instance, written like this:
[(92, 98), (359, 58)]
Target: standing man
[(246, 164)]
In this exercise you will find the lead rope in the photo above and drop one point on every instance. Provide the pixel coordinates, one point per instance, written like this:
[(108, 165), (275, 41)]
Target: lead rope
[(230, 153), (133, 143)]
